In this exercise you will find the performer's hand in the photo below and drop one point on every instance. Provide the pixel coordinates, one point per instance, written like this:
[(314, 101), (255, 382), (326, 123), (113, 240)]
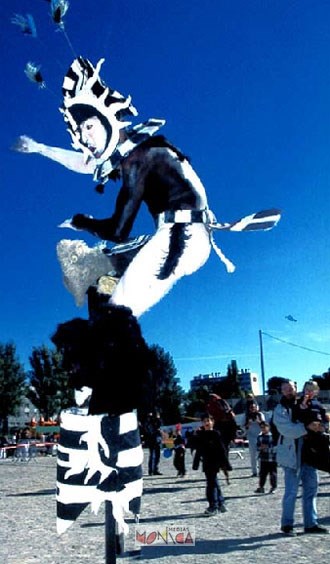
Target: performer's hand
[(82, 221), (102, 228), (78, 222), (25, 144)]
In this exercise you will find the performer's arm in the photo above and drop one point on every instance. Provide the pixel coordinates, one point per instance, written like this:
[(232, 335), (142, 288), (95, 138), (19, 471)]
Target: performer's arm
[(70, 159), (117, 227)]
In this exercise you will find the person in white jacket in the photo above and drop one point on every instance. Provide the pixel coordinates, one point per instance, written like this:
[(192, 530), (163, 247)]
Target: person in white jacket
[(289, 448), (253, 419)]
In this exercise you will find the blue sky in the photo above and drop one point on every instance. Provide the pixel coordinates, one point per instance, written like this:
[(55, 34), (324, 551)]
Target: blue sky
[(244, 88)]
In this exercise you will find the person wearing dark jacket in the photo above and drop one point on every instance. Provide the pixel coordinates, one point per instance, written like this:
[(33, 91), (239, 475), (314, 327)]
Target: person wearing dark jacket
[(210, 449), (179, 454), (316, 449), (153, 442), (224, 419), (308, 407)]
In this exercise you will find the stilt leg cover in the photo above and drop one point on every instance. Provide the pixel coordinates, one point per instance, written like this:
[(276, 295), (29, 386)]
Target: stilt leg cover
[(99, 458)]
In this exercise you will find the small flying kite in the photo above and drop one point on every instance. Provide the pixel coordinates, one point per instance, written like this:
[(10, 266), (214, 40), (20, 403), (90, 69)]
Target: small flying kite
[(33, 73), (58, 10), (26, 23), (290, 318)]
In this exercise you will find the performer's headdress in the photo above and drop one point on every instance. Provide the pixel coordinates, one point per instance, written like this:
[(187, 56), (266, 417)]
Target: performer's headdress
[(86, 95)]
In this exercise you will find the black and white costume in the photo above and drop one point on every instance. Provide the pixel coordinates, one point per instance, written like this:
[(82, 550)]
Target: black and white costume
[(158, 175), (100, 454), (153, 172)]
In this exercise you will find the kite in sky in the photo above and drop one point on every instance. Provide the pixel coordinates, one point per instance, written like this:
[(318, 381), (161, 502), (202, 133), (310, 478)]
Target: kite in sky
[(290, 318), (26, 23), (58, 10), (33, 73), (28, 27)]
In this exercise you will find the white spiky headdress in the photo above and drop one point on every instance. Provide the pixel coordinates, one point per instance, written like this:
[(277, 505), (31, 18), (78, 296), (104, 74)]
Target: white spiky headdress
[(85, 94), (82, 86)]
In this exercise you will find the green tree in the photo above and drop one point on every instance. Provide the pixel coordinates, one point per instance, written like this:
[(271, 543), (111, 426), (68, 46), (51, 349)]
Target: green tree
[(229, 386), (48, 389), (323, 381), (12, 383), (234, 389), (64, 392), (195, 402), (163, 392)]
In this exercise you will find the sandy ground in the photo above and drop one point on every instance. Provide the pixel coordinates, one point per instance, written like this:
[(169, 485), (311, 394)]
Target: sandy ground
[(248, 532)]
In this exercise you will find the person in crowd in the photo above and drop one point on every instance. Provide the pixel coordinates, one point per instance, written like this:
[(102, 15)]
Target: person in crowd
[(272, 400), (211, 450), (51, 444), (224, 418), (179, 462), (310, 411), (252, 427), (267, 456), (316, 446), (249, 400), (22, 451), (296, 471), (153, 437), (190, 440), (3, 444), (308, 404)]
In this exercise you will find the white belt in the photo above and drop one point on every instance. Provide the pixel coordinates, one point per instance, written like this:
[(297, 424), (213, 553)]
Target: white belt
[(183, 216)]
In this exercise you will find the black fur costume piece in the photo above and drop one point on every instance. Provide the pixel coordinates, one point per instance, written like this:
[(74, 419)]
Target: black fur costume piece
[(178, 240), (107, 354)]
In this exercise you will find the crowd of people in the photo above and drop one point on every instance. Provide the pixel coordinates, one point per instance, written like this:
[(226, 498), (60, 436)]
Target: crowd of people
[(25, 443), (294, 436)]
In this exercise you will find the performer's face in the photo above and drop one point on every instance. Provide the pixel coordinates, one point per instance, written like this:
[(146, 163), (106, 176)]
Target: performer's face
[(93, 136)]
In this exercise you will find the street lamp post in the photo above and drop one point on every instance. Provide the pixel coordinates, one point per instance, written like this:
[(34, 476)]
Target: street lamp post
[(262, 363)]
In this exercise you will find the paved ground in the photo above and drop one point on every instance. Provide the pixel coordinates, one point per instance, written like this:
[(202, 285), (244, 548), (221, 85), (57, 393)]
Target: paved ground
[(248, 532)]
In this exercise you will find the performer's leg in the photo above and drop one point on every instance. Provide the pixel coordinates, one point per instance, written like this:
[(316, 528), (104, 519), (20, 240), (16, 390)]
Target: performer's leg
[(140, 288)]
